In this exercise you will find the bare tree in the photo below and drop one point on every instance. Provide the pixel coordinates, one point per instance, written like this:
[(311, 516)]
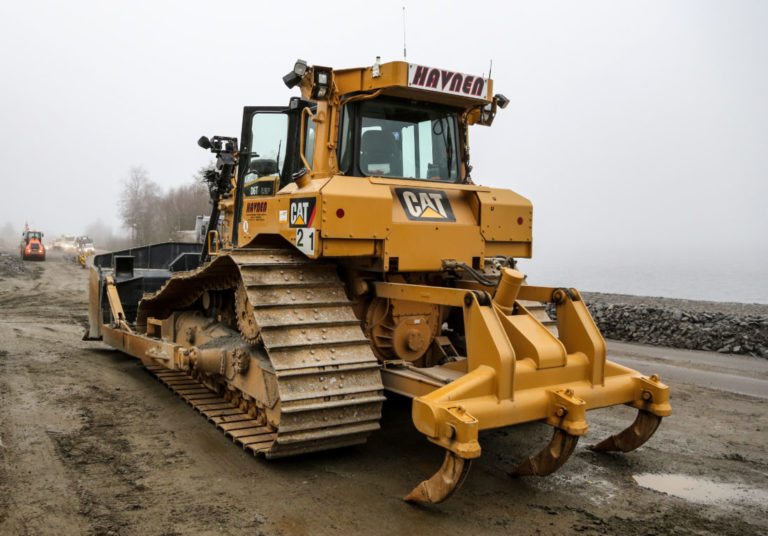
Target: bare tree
[(180, 205), (153, 216), (136, 205)]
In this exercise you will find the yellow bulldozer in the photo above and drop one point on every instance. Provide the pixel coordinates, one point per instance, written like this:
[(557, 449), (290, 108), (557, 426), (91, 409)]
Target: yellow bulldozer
[(355, 255)]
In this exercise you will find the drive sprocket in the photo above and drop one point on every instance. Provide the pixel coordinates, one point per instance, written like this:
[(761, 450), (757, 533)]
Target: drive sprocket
[(246, 322)]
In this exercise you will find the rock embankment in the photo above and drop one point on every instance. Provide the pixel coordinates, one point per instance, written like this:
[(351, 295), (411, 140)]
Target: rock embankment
[(695, 325), (11, 265)]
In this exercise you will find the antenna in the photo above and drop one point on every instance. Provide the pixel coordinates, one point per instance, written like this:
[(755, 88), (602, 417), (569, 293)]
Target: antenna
[(404, 54), (490, 69)]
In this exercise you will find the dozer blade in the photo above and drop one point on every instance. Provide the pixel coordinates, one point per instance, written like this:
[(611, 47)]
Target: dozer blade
[(448, 479), (551, 458), (638, 433)]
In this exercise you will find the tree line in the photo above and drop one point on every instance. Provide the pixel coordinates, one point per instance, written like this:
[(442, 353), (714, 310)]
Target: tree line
[(148, 213), (152, 215)]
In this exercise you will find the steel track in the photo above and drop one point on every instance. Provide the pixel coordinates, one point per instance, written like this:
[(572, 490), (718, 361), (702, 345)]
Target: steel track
[(328, 380)]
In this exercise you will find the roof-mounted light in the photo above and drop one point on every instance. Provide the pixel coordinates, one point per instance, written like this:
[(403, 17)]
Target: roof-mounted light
[(501, 100), (322, 82), (486, 114), (294, 77)]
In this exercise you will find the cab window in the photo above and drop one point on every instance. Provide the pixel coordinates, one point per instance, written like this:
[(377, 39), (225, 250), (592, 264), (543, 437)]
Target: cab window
[(403, 139), (269, 132)]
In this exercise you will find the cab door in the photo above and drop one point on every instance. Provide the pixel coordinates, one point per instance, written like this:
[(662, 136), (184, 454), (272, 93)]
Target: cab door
[(268, 159), (262, 159)]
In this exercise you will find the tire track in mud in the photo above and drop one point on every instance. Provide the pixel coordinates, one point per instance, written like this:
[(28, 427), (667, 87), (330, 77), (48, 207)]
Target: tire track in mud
[(4, 499), (99, 453), (121, 465)]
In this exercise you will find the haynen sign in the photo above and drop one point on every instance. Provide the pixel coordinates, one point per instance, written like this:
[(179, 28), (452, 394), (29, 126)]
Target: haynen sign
[(445, 81)]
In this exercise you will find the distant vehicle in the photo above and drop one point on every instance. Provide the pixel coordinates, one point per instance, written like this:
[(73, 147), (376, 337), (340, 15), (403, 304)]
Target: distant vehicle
[(199, 233), (65, 242), (31, 246), (85, 244)]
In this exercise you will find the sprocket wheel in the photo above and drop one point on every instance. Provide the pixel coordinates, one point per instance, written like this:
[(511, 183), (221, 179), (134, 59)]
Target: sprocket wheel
[(246, 322)]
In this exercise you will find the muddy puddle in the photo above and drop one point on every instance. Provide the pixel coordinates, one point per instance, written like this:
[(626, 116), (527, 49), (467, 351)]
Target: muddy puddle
[(701, 490)]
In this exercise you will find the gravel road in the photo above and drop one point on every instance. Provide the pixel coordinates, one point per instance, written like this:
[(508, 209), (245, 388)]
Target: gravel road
[(90, 443)]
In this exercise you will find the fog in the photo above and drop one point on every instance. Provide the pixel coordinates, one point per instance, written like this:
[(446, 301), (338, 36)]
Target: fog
[(637, 129)]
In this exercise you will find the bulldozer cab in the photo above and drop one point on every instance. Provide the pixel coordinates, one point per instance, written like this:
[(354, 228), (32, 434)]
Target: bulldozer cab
[(394, 121), (381, 137)]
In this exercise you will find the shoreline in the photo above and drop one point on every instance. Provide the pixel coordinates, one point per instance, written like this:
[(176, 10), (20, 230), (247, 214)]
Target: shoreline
[(725, 327), (705, 306)]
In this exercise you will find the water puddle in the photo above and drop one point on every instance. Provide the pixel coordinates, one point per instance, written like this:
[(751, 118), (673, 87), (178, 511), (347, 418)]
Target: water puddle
[(703, 491)]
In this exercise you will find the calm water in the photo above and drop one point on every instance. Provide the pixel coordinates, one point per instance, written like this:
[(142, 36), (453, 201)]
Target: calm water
[(736, 277)]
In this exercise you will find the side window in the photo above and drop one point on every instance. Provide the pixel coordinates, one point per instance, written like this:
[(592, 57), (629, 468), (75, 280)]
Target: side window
[(426, 166), (269, 133), (410, 155), (345, 158), (309, 140)]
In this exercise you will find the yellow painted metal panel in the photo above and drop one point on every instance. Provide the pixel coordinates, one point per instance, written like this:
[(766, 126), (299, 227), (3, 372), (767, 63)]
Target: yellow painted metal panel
[(429, 184), (333, 247), (509, 249), (505, 216), (367, 208), (423, 246)]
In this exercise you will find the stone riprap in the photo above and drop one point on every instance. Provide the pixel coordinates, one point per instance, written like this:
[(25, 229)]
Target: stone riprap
[(733, 328)]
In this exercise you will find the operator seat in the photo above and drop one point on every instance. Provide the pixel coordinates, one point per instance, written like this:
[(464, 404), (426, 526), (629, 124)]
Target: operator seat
[(379, 154), (262, 167)]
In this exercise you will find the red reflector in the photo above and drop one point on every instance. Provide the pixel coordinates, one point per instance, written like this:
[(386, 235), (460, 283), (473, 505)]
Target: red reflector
[(520, 220), (340, 213)]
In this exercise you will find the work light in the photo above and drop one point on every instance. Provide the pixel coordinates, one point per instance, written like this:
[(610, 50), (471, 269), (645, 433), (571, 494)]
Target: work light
[(295, 76)]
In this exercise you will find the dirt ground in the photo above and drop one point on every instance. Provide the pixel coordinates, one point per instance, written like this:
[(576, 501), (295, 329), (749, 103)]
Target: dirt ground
[(90, 443)]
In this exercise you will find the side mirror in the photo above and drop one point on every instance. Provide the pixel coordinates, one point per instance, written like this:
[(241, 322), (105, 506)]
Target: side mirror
[(204, 142)]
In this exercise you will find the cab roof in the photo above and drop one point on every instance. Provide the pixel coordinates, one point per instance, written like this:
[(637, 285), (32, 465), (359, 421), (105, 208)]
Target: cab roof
[(422, 82)]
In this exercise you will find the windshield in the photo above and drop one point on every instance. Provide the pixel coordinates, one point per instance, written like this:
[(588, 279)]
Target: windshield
[(407, 140)]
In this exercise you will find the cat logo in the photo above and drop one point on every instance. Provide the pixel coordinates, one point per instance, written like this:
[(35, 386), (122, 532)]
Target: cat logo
[(425, 205), (302, 212)]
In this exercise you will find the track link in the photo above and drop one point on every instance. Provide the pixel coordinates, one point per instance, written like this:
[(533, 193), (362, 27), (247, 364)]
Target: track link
[(236, 424)]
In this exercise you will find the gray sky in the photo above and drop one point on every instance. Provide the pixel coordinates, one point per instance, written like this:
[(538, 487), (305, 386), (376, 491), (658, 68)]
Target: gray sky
[(634, 125)]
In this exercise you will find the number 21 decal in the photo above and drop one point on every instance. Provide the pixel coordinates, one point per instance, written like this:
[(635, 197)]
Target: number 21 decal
[(305, 240)]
